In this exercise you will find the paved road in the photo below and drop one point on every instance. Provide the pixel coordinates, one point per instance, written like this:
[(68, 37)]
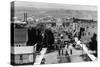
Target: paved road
[(53, 58)]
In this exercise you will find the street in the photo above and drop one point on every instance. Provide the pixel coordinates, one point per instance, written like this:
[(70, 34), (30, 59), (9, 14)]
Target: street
[(53, 57)]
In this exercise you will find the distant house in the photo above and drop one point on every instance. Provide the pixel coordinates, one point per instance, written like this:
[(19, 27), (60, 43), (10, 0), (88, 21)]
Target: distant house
[(90, 27)]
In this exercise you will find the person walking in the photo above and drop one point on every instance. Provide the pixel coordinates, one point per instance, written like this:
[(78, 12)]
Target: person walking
[(59, 47), (66, 49), (62, 47)]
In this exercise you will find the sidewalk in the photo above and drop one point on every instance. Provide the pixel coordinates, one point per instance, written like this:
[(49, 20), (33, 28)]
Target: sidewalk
[(40, 57)]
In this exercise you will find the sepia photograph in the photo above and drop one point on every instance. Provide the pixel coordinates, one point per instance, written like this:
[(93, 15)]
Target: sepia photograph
[(52, 33)]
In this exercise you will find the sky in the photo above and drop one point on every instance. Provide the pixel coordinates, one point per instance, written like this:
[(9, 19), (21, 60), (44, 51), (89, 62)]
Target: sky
[(54, 6)]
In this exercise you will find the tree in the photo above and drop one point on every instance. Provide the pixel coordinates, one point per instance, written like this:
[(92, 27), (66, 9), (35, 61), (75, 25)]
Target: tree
[(93, 43), (48, 38), (32, 38)]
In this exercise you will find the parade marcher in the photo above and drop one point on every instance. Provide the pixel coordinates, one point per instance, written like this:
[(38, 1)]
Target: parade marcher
[(59, 46), (62, 46), (55, 44), (65, 49)]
